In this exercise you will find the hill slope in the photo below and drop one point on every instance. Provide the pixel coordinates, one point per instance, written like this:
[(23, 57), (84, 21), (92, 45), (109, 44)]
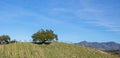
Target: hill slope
[(54, 50)]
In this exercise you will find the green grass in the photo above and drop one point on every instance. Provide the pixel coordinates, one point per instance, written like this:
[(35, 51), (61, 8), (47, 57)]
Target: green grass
[(54, 50)]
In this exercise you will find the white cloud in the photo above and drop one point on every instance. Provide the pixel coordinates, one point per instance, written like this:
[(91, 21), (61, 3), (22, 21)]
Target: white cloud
[(19, 15), (90, 14), (97, 17)]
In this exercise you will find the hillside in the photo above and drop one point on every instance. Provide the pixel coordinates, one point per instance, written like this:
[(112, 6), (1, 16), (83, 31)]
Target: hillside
[(114, 52), (54, 50)]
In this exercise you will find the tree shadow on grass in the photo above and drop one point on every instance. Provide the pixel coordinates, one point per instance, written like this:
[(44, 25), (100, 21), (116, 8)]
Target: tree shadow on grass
[(40, 43)]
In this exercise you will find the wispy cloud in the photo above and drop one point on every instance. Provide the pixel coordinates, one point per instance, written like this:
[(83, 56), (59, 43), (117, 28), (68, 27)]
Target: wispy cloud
[(110, 26), (94, 15), (97, 17), (91, 15), (15, 14), (19, 15)]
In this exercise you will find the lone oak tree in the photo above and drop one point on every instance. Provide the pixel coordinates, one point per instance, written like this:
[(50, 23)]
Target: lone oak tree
[(44, 36)]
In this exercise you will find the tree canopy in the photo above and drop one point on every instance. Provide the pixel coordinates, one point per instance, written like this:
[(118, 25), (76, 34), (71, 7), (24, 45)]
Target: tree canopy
[(4, 39), (44, 36)]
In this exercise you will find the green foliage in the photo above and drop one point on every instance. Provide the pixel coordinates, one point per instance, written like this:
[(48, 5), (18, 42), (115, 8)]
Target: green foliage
[(54, 50), (4, 39), (13, 41), (44, 36)]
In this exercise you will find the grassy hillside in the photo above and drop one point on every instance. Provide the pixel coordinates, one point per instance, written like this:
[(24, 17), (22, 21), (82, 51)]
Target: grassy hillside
[(114, 52), (54, 50)]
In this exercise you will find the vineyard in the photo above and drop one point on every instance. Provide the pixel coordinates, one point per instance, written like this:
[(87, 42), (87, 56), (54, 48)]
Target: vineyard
[(54, 50)]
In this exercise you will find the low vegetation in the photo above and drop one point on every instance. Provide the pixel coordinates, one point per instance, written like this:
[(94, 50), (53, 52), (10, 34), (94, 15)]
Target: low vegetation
[(54, 50), (114, 52), (5, 39)]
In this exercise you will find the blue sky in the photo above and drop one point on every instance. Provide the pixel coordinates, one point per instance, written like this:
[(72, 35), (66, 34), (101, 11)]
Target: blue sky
[(72, 20)]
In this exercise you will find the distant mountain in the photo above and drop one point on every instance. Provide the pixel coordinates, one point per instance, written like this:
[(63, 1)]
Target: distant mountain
[(101, 46)]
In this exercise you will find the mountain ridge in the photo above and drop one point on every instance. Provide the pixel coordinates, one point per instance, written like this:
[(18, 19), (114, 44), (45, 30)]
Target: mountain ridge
[(102, 46)]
